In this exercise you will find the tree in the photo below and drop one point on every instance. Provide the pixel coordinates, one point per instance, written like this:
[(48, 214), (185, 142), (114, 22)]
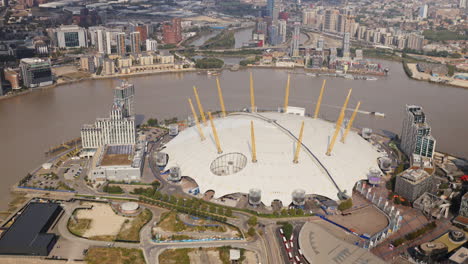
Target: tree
[(251, 232), (345, 205), (209, 63), (287, 229), (229, 212), (152, 122), (253, 221)]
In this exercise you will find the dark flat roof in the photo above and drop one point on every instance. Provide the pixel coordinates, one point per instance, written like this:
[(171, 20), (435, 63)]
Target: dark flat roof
[(27, 235)]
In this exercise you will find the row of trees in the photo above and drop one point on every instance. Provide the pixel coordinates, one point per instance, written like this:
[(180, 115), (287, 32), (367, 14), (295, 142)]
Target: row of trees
[(209, 63), (415, 234), (184, 209), (193, 203)]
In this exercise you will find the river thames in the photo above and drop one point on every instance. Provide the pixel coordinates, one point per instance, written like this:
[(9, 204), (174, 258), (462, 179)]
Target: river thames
[(33, 122)]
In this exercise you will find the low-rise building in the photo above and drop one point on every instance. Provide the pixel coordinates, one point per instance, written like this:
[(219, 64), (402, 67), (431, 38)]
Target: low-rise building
[(13, 77), (412, 183), (118, 163), (36, 72)]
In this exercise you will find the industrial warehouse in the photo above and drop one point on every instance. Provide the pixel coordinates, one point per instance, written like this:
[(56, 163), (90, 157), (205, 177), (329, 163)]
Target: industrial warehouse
[(280, 155)]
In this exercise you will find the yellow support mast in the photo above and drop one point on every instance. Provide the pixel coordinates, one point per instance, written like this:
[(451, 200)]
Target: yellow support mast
[(299, 144), (221, 100), (200, 107), (252, 94), (286, 95), (195, 116), (350, 123), (254, 148), (215, 134), (339, 122), (319, 102)]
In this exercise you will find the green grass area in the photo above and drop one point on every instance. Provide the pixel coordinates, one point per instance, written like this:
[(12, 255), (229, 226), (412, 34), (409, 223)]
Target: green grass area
[(131, 230), (224, 40), (441, 35), (114, 256), (175, 256), (63, 186), (170, 222), (78, 227), (112, 189)]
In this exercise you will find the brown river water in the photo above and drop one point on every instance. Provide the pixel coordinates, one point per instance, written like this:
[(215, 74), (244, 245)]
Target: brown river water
[(31, 123)]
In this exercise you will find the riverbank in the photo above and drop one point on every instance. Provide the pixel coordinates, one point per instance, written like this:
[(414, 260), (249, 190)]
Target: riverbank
[(98, 77), (412, 72)]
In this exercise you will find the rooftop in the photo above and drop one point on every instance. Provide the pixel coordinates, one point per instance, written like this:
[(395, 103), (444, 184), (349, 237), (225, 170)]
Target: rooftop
[(27, 235), (274, 173), (120, 155), (414, 175), (319, 246), (460, 256)]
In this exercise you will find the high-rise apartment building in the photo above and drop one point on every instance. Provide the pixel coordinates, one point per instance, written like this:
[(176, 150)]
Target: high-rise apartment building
[(143, 30), (119, 128), (273, 36), (124, 96), (295, 40), (71, 36), (423, 11), (121, 47), (135, 42), (309, 17), (270, 7), (151, 45), (346, 48), (36, 72), (463, 4), (172, 32), (282, 30), (330, 23), (416, 138), (415, 41)]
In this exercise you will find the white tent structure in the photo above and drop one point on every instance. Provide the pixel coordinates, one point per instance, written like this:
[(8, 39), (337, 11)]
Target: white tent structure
[(274, 173)]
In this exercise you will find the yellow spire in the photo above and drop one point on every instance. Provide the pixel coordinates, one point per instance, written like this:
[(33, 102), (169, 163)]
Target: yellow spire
[(252, 94), (319, 102), (350, 123), (254, 148), (215, 134), (286, 95), (221, 100), (195, 116), (339, 122), (200, 107), (299, 144)]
